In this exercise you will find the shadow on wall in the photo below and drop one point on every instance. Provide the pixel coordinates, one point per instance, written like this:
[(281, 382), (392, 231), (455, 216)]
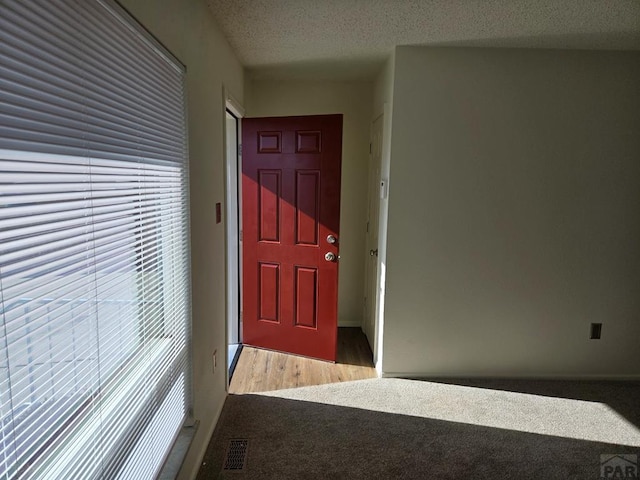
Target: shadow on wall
[(301, 439), (606, 41), (353, 348), (322, 69)]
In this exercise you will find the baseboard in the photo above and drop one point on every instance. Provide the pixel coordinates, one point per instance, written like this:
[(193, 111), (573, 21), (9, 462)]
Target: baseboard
[(379, 371), (527, 376), (195, 468)]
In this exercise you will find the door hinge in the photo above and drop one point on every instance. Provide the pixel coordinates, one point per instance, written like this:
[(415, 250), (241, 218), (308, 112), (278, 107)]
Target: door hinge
[(240, 150), (370, 148), (240, 235), (367, 227)]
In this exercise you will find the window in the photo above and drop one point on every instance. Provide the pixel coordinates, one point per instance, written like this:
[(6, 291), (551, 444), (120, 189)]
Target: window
[(94, 244)]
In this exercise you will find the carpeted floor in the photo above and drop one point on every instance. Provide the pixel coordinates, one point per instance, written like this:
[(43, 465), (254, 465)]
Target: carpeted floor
[(408, 429)]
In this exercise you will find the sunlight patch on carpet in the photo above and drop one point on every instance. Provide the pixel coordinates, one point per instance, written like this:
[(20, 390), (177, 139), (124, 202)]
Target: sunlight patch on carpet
[(524, 412)]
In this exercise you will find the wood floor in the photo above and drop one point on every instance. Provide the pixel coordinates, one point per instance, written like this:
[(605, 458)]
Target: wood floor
[(263, 370)]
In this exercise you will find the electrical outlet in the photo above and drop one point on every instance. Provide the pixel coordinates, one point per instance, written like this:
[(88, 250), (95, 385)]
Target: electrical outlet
[(214, 360)]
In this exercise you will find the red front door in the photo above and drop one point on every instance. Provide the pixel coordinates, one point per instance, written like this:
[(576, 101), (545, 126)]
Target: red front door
[(290, 212)]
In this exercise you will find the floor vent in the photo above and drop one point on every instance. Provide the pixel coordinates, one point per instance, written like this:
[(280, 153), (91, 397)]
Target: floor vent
[(236, 456)]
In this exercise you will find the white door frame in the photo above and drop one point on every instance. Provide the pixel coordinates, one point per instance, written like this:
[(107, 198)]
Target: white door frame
[(233, 166)]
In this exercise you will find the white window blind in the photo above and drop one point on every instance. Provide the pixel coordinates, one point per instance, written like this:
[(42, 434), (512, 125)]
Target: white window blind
[(94, 256)]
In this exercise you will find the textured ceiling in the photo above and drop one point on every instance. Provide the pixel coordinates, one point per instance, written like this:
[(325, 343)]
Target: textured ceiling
[(275, 37)]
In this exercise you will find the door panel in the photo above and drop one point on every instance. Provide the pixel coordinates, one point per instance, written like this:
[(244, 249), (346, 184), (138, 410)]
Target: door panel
[(269, 292), (291, 204), (375, 161), (306, 295), (269, 205), (307, 207)]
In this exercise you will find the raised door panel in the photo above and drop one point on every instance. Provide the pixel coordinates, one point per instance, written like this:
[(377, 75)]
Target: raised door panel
[(306, 297), (269, 142), (307, 207), (308, 142), (269, 292), (269, 185)]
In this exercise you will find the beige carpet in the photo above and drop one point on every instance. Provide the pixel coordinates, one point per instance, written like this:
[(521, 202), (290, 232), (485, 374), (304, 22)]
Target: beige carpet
[(392, 428)]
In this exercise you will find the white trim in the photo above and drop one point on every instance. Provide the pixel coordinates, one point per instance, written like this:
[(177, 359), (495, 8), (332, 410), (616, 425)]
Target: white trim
[(232, 167), (233, 105), (497, 376)]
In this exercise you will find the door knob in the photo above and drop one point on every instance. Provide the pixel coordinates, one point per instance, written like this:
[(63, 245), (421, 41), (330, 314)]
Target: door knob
[(330, 257), (373, 253), (331, 239)]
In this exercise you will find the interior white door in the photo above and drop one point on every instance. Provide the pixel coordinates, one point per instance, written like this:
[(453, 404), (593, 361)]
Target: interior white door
[(375, 161)]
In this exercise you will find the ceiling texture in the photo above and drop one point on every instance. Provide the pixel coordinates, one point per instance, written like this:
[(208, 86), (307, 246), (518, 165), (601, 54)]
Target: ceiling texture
[(352, 38)]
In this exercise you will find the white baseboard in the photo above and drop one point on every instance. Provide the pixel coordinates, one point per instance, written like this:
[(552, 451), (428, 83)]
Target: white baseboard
[(527, 376)]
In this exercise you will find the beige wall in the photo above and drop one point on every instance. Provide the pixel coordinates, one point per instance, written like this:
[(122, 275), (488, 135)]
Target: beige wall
[(354, 101), (514, 213), (383, 85), (187, 29)]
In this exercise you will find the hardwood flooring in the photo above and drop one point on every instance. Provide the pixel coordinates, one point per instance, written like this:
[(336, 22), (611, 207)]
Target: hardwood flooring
[(263, 370)]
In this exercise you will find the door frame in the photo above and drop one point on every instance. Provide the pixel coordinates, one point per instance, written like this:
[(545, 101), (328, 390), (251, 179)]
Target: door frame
[(234, 208), (233, 223)]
